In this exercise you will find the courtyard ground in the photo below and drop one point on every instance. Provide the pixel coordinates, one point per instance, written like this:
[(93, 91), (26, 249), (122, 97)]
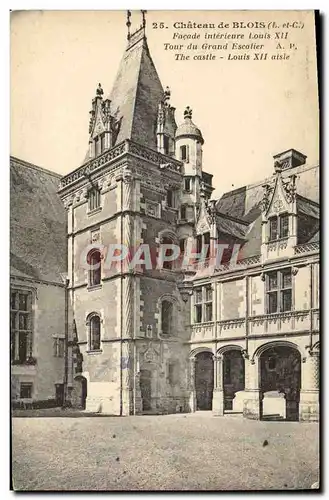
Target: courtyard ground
[(172, 452)]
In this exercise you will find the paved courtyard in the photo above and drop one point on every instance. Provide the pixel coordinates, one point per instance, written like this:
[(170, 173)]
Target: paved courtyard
[(174, 452)]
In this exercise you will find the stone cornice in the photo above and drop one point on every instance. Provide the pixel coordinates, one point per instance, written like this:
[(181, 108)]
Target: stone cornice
[(126, 147)]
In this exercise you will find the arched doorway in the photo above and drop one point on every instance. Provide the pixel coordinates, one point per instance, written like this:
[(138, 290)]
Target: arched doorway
[(204, 380), (280, 382), (233, 377), (79, 393)]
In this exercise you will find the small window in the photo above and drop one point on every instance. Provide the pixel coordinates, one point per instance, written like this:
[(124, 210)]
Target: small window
[(207, 243), (102, 143), (208, 312), (166, 317), (97, 146), (273, 228), (284, 225), (94, 261), (199, 243), (26, 390), (279, 227), (198, 313), (208, 293), (95, 333), (183, 212), (167, 264), (184, 153), (188, 184), (170, 198), (94, 199), (59, 344), (198, 295), (166, 144)]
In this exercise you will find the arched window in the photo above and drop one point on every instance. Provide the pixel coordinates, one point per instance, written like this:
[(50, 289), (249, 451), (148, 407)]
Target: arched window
[(94, 262), (166, 317), (94, 323)]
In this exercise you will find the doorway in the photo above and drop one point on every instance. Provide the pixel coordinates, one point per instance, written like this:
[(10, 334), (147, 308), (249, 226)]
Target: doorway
[(280, 377), (146, 389), (233, 377), (204, 380), (59, 394)]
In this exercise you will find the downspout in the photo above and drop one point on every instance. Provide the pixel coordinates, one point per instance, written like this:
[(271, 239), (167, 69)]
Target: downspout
[(66, 341), (121, 300), (311, 307)]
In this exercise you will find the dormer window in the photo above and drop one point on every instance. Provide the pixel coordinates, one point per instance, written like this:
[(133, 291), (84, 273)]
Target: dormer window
[(94, 199), (279, 227)]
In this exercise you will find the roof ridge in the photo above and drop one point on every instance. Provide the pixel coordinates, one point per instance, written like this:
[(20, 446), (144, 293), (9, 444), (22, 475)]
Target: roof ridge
[(24, 163), (266, 178), (312, 202), (138, 81)]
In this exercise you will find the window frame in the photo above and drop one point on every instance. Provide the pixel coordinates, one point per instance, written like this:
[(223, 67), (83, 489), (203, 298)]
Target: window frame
[(58, 347), (183, 212), (94, 273), (203, 304), (279, 291), (28, 385), (189, 181), (94, 199), (281, 231), (90, 323), (169, 320), (20, 336)]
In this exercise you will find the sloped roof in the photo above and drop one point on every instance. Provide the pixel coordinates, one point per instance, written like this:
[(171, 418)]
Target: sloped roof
[(136, 94), (244, 204), (307, 207), (227, 225), (37, 223)]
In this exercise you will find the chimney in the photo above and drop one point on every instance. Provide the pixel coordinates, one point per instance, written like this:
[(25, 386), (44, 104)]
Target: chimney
[(290, 159)]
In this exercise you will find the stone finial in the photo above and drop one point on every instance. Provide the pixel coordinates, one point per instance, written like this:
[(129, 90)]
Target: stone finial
[(188, 112), (128, 24), (166, 95), (99, 91), (143, 18)]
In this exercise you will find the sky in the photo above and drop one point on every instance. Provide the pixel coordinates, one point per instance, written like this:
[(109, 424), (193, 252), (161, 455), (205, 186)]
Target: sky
[(248, 111)]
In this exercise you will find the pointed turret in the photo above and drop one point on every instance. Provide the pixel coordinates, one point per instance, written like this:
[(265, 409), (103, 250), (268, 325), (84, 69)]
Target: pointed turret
[(132, 108)]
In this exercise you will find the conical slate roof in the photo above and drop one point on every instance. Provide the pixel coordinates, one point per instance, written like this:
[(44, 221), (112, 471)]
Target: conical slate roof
[(136, 94)]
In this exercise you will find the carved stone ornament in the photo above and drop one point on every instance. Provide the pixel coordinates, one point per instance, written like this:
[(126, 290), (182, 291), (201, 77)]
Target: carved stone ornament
[(127, 175), (150, 355), (290, 189), (278, 206), (95, 236), (265, 202)]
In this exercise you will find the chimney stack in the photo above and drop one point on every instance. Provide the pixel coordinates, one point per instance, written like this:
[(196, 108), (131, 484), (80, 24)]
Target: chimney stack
[(290, 159)]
